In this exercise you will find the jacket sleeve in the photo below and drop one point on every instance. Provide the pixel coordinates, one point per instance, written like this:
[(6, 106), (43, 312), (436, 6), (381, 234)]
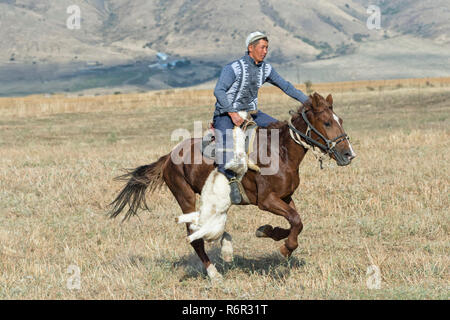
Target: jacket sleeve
[(226, 79), (275, 79)]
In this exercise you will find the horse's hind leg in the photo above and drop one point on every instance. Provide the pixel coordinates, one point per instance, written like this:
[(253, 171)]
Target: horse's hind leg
[(226, 245), (185, 197)]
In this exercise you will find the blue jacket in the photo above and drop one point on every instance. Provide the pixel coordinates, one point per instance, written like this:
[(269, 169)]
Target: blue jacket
[(239, 82)]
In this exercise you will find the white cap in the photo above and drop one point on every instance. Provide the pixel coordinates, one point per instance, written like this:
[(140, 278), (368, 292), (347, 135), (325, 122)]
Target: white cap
[(253, 37)]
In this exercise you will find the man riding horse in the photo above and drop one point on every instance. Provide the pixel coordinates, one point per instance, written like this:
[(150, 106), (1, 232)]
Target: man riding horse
[(313, 126), (237, 90)]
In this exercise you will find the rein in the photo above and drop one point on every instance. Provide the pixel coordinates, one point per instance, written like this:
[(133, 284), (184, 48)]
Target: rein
[(328, 148)]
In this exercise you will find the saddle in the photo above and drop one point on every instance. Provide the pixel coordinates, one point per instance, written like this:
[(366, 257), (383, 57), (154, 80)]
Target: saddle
[(249, 127)]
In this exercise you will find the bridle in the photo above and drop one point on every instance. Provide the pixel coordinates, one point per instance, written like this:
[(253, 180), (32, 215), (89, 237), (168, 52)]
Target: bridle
[(329, 148)]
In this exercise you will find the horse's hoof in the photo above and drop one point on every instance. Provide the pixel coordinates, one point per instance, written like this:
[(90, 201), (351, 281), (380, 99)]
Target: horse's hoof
[(213, 274), (285, 251), (264, 231)]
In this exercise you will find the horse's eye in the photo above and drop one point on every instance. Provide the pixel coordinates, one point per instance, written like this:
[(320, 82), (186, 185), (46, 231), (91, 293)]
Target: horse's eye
[(327, 124)]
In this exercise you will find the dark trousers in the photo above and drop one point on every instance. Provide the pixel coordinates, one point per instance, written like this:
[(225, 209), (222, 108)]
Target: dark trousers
[(223, 130)]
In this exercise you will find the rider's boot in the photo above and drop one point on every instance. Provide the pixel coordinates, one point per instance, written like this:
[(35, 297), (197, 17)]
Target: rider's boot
[(235, 194)]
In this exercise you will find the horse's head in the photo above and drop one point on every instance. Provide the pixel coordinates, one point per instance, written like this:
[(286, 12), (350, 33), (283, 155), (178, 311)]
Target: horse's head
[(325, 127)]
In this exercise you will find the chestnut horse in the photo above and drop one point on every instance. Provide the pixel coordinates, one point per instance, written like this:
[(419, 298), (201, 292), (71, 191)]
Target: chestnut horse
[(315, 123)]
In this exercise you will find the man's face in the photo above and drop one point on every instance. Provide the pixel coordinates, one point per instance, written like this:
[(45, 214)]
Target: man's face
[(259, 51)]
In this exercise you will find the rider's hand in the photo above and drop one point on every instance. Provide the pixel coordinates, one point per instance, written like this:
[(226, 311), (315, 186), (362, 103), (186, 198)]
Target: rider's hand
[(236, 118)]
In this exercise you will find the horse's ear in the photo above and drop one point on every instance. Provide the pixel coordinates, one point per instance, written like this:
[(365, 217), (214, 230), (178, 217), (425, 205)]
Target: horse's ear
[(315, 100), (330, 100)]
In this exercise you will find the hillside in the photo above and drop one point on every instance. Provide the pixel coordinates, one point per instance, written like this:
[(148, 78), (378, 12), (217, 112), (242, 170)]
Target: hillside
[(118, 32)]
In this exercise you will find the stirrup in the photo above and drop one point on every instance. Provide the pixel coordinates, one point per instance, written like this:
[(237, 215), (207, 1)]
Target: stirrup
[(235, 194)]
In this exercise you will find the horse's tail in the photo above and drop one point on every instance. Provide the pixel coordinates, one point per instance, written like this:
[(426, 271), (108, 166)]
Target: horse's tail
[(141, 179)]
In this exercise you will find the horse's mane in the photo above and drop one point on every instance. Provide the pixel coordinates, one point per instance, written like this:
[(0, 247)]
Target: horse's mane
[(282, 125), (307, 106), (276, 125), (283, 128)]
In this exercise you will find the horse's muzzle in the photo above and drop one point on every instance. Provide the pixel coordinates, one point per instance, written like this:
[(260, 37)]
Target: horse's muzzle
[(343, 159)]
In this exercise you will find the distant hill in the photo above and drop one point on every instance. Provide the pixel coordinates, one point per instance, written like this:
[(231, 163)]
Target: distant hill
[(303, 34)]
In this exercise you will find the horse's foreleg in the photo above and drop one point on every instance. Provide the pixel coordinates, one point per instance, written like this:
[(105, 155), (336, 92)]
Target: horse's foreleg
[(290, 202), (278, 206), (277, 233)]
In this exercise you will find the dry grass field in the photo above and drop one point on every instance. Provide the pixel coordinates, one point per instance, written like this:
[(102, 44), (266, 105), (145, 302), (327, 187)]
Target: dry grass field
[(59, 155)]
